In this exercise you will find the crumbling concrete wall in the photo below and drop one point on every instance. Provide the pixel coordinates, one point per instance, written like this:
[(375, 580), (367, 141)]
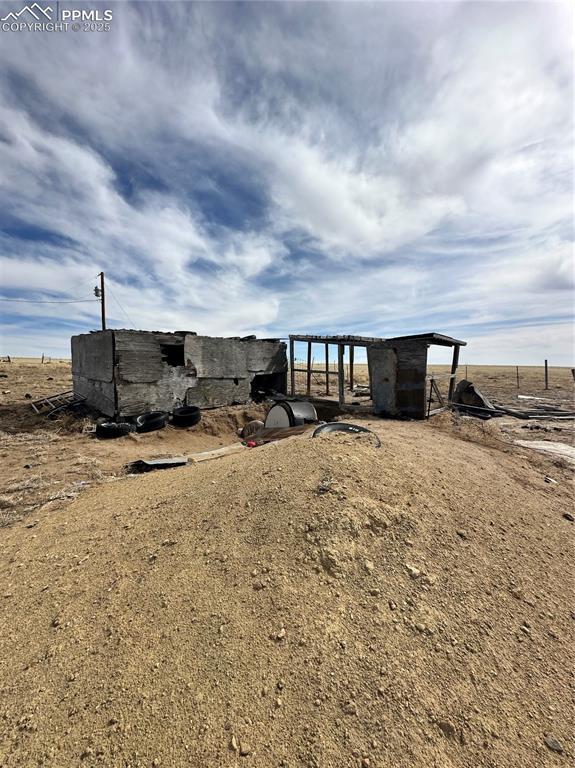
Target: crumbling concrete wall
[(146, 370), (145, 380), (226, 368), (93, 369)]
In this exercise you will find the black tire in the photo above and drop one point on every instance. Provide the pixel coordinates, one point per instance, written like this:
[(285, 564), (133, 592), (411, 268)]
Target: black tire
[(112, 429), (186, 416), (149, 422)]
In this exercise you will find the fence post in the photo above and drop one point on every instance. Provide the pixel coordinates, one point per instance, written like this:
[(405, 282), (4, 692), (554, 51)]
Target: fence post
[(351, 352), (340, 374), (546, 376), (517, 374), (327, 368), (309, 367)]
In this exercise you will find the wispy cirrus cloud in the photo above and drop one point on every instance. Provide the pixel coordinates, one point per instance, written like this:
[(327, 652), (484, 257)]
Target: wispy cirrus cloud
[(369, 168)]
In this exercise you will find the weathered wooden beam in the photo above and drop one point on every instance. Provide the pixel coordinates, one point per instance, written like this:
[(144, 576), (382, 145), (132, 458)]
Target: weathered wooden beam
[(454, 364), (358, 341), (340, 373), (217, 453), (327, 368), (351, 368), (437, 392), (308, 377), (316, 372), (292, 366)]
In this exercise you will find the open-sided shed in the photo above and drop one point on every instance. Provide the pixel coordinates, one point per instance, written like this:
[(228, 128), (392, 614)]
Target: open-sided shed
[(397, 368)]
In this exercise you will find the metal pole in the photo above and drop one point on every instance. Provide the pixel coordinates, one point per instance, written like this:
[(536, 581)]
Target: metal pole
[(103, 300), (546, 375)]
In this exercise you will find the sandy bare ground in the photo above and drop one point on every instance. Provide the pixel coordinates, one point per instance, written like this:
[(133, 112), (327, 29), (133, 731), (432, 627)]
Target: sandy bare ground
[(51, 462), (317, 602)]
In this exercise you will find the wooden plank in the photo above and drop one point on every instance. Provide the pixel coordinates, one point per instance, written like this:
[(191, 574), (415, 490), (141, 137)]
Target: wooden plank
[(358, 341), (351, 368), (437, 392), (218, 453), (315, 370), (410, 385), (327, 368), (454, 364), (340, 374), (382, 363), (291, 366), (308, 372)]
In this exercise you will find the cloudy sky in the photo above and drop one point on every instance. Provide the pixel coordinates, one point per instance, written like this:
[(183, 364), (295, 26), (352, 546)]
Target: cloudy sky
[(283, 167)]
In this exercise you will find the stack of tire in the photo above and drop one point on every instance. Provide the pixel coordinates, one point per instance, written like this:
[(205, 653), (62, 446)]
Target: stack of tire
[(185, 416)]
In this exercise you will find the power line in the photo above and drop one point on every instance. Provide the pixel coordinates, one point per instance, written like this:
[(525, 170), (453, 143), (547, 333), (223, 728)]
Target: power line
[(43, 301), (121, 307), (80, 284)]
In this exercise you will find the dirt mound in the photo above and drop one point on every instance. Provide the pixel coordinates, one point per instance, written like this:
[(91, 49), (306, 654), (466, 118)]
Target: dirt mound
[(315, 602)]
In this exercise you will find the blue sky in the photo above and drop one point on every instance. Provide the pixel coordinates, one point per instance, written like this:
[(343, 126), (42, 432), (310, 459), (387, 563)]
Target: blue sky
[(270, 168)]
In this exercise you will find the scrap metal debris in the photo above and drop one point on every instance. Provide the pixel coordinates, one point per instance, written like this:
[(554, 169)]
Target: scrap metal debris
[(147, 465), (54, 403), (468, 399), (342, 426)]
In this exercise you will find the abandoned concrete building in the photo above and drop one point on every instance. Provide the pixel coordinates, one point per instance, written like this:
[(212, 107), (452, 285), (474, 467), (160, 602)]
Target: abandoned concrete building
[(126, 372)]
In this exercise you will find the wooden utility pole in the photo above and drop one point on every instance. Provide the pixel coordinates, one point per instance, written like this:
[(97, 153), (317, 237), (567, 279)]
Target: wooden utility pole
[(103, 300)]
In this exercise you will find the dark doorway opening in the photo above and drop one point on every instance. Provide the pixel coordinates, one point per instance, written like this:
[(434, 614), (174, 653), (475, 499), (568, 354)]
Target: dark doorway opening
[(265, 384), (173, 354)]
